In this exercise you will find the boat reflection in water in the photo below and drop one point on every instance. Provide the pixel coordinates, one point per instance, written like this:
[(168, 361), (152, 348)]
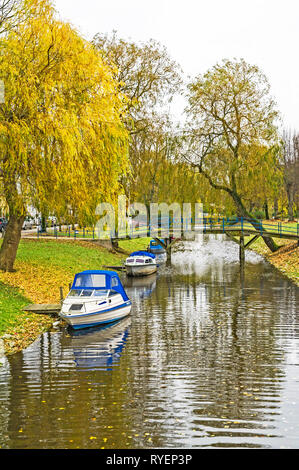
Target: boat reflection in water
[(99, 348), (140, 287)]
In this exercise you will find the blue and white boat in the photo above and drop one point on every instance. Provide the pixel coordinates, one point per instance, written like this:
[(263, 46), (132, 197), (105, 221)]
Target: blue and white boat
[(141, 263), (95, 298), (158, 250)]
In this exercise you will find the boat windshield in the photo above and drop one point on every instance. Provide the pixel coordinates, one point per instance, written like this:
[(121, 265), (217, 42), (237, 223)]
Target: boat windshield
[(88, 293), (74, 293)]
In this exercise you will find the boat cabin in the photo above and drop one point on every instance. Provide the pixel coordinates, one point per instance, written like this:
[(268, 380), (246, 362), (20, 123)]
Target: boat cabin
[(141, 257), (155, 247)]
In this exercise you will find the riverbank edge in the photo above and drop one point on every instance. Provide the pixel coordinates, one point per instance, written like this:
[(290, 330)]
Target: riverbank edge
[(16, 338), (280, 259)]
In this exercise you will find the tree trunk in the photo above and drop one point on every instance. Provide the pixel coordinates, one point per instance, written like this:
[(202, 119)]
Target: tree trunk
[(43, 223), (275, 208), (290, 196), (266, 209), (8, 251), (242, 212)]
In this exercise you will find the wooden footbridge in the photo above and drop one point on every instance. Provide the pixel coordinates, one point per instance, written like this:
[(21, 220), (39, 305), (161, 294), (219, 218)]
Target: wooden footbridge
[(236, 230), (169, 230)]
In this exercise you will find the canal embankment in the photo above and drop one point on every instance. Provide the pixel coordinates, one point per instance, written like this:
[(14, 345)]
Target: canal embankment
[(43, 267), (285, 259)]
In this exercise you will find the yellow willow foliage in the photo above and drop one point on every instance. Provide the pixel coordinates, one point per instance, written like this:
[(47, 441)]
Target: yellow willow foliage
[(62, 140)]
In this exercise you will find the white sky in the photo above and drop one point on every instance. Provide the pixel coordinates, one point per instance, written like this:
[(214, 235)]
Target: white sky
[(199, 33)]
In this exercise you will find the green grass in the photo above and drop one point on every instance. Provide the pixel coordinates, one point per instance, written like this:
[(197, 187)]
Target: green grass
[(134, 244), (11, 307), (67, 255)]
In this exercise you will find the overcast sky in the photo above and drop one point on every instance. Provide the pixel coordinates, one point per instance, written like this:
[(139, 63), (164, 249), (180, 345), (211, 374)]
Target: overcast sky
[(200, 33)]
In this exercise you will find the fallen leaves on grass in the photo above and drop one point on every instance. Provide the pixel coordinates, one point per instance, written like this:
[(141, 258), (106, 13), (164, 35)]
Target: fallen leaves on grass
[(286, 259), (38, 283)]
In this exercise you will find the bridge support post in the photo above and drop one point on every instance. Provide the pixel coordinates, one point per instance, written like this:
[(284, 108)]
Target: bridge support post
[(242, 250)]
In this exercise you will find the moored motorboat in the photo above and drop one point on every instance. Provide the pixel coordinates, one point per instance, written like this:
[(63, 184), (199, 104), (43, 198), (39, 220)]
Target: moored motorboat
[(158, 250), (140, 263), (155, 247), (95, 298)]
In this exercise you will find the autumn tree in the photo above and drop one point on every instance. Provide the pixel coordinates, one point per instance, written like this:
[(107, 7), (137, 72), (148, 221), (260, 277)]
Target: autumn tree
[(149, 151), (12, 12), (289, 164), (149, 78), (231, 134), (146, 73), (61, 135)]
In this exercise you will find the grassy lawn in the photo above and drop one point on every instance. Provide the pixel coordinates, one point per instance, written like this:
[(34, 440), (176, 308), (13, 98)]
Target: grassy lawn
[(135, 244), (11, 301), (42, 267)]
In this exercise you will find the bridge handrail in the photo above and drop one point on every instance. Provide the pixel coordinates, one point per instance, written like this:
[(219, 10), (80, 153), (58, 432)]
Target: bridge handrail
[(243, 224)]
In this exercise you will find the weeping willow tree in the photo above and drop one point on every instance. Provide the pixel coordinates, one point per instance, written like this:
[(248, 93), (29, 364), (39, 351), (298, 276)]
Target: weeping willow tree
[(231, 134), (62, 140)]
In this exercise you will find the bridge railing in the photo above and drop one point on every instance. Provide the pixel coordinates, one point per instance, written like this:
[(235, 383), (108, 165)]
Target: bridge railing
[(178, 226)]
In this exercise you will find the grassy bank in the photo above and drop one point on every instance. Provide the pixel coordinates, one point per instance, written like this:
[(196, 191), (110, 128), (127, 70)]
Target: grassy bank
[(285, 259), (42, 267)]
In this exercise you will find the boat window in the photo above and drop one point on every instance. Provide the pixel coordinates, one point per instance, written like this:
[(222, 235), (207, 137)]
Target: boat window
[(139, 260), (86, 293), (76, 307), (100, 293), (114, 282), (130, 260), (91, 280), (74, 293), (98, 280), (148, 261)]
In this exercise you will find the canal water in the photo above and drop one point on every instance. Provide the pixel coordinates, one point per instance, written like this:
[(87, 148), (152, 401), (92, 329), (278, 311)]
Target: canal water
[(209, 358)]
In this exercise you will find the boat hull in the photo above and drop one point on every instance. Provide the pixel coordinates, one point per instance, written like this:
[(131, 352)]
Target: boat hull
[(158, 251), (88, 320), (142, 270)]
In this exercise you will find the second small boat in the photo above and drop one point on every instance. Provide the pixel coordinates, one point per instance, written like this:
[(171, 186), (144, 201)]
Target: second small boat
[(141, 263)]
